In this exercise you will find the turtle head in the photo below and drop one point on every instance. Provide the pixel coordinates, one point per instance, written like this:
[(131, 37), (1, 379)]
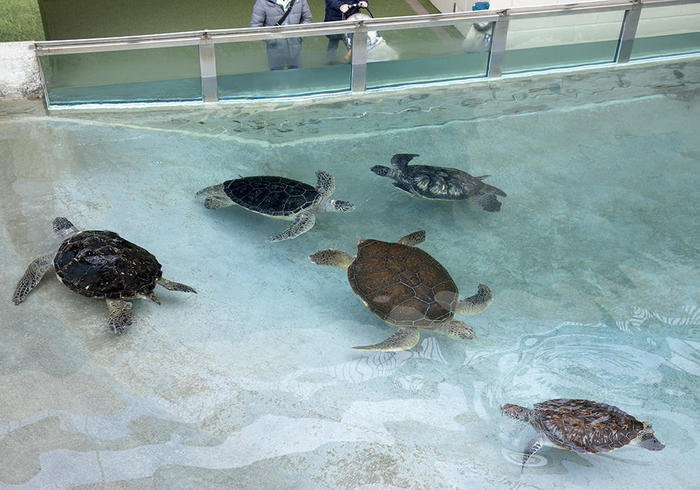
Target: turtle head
[(516, 411), (648, 440), (334, 206), (381, 170)]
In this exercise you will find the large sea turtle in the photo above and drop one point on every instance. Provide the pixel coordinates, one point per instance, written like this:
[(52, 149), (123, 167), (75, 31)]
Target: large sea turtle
[(100, 264), (442, 183), (278, 197), (583, 426), (407, 288)]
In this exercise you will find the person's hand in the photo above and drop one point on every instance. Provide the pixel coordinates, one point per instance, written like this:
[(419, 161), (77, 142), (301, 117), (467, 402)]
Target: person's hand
[(363, 4), (344, 8)]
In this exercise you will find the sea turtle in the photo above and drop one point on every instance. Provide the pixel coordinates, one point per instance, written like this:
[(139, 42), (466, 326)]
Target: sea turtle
[(449, 184), (278, 197), (100, 264), (407, 288), (583, 426)]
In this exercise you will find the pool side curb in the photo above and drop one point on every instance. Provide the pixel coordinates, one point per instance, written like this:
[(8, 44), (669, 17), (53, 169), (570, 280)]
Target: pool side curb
[(20, 76)]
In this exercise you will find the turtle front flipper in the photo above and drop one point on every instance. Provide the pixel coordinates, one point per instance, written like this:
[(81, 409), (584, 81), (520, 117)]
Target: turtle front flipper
[(477, 303), (303, 223), (456, 330), (64, 228), (404, 339), (400, 160), (335, 258), (120, 315), (175, 286), (35, 271), (533, 445), (325, 183), (413, 239)]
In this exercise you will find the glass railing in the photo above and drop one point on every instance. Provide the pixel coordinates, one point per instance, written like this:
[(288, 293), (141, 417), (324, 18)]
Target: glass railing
[(373, 53)]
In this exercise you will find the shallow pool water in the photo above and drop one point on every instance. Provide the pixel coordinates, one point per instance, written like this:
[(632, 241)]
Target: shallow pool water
[(593, 260)]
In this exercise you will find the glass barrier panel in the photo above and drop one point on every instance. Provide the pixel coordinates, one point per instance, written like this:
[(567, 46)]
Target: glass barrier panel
[(140, 75), (431, 54), (667, 30), (278, 68), (562, 41)]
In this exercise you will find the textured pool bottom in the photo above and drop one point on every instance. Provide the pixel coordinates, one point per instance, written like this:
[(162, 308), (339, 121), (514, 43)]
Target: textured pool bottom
[(593, 262)]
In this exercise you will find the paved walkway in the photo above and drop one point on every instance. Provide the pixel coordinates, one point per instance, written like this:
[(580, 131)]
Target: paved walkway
[(420, 10)]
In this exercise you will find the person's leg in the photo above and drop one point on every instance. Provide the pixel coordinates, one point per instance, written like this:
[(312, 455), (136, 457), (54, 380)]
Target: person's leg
[(275, 57), (331, 51), (294, 54)]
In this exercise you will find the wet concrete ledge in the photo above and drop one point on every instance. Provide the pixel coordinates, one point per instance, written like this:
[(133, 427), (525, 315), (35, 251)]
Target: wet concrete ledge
[(19, 71)]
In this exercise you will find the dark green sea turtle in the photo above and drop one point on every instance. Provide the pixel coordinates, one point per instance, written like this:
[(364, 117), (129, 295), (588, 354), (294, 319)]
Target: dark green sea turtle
[(100, 264), (441, 183), (278, 197), (583, 426), (407, 288)]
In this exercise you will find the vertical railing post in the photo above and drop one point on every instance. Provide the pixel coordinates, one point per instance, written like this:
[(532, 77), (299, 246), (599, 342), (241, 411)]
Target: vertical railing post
[(628, 32), (498, 45), (207, 69), (359, 59)]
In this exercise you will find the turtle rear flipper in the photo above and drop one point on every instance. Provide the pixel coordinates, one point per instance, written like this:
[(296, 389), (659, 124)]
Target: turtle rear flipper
[(477, 303), (456, 330), (404, 339), (488, 202), (302, 223), (120, 315), (35, 271), (413, 239), (175, 286)]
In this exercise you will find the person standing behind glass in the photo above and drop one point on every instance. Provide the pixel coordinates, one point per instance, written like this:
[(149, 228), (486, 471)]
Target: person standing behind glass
[(338, 10), (281, 53)]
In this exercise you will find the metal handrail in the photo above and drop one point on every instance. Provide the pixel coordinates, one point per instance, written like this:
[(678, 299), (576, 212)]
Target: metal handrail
[(325, 28), (207, 39)]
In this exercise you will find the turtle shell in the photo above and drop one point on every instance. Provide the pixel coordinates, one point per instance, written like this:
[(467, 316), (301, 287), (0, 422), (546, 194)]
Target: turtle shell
[(446, 183), (585, 426), (402, 285), (102, 264), (273, 196)]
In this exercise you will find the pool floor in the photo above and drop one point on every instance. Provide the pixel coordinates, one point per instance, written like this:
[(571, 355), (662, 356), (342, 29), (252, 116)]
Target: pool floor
[(252, 383)]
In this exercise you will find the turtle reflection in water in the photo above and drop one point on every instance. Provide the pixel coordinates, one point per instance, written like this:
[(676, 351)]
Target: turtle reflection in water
[(583, 426), (278, 197), (440, 183), (100, 264), (407, 288)]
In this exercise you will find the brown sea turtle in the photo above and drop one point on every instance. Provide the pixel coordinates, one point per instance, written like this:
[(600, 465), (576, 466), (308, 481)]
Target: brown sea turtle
[(407, 288), (100, 264), (583, 426), (278, 197)]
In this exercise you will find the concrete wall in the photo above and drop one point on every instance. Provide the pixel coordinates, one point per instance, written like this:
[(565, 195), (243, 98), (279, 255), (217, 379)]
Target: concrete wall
[(19, 71)]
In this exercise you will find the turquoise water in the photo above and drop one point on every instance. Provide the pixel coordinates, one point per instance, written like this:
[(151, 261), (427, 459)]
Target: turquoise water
[(252, 383)]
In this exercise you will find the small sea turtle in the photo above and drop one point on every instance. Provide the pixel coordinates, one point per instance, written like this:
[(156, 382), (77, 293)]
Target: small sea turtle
[(583, 426), (442, 183), (278, 197), (407, 288), (100, 264)]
